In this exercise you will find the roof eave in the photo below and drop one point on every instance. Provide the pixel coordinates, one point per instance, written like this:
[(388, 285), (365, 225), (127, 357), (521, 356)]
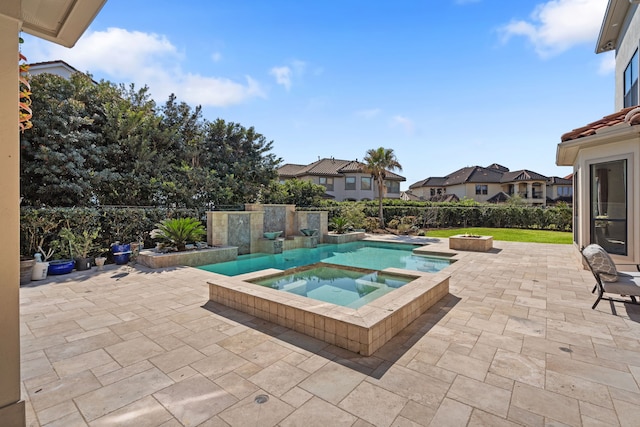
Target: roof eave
[(614, 17), (567, 151), (75, 21)]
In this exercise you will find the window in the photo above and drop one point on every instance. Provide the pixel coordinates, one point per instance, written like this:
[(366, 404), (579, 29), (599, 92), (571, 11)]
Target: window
[(565, 191), (432, 191), (365, 183), (327, 182), (631, 82), (482, 189), (608, 185), (392, 186), (350, 183)]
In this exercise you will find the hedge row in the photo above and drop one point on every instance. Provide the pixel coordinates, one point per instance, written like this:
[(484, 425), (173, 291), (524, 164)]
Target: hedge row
[(452, 216), (131, 224), (124, 224)]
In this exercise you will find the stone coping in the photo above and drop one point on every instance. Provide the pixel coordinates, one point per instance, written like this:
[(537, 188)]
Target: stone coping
[(362, 330), (193, 258)]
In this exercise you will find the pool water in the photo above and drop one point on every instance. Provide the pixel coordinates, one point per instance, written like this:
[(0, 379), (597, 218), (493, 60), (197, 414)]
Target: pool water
[(351, 288), (361, 254)]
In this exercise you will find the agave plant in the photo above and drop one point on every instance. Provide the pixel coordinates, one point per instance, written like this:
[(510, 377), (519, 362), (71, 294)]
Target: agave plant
[(179, 231)]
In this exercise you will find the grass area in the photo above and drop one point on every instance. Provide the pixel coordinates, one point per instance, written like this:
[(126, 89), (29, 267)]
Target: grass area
[(509, 234)]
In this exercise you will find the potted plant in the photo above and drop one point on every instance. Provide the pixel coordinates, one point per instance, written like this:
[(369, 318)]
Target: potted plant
[(82, 245), (179, 231)]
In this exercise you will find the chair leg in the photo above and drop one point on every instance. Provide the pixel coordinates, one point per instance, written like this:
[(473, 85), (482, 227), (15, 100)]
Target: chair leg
[(597, 301), (594, 288)]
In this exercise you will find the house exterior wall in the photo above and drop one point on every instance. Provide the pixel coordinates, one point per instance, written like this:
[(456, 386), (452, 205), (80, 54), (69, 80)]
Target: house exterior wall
[(628, 149), (57, 69), (468, 190), (629, 37), (12, 409), (341, 194)]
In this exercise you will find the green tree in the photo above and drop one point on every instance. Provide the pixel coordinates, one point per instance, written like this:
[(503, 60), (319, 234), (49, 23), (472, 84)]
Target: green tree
[(378, 162), (239, 159), (293, 191), (59, 154)]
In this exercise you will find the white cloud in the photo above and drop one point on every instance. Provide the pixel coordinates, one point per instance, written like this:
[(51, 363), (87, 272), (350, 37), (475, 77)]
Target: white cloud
[(404, 122), (216, 56), (368, 114), (558, 25), (607, 63), (282, 75), (148, 59), (286, 74)]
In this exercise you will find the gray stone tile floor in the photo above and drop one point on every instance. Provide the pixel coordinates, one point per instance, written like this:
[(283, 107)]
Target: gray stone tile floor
[(514, 343)]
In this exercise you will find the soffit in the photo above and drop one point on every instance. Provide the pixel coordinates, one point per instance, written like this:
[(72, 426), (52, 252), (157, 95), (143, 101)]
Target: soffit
[(59, 21), (612, 24)]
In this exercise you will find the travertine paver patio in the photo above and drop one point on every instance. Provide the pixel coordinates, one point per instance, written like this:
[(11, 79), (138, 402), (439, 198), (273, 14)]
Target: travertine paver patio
[(515, 343)]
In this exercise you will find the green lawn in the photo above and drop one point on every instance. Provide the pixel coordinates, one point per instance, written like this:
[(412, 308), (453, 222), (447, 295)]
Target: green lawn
[(509, 234)]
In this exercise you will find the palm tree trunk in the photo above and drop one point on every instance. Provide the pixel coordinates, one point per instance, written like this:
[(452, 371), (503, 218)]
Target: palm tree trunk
[(380, 213)]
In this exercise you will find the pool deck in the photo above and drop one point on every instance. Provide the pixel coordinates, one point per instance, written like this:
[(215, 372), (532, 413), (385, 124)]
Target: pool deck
[(514, 343)]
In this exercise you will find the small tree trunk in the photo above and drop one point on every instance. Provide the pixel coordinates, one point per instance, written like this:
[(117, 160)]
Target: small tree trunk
[(380, 193)]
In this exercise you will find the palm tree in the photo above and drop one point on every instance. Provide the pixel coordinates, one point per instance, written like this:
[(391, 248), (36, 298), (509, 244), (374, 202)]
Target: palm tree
[(378, 162)]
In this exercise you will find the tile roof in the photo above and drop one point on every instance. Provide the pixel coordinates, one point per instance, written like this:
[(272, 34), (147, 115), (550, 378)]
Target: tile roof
[(493, 173), (500, 197), (629, 115), (434, 181), (473, 174), (328, 167), (522, 175), (558, 180)]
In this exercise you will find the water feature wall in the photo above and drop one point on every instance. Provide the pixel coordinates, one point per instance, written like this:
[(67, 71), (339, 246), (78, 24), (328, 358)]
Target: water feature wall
[(245, 229)]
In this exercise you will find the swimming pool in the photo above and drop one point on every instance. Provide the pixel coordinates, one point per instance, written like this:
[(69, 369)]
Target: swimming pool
[(362, 254), (347, 287)]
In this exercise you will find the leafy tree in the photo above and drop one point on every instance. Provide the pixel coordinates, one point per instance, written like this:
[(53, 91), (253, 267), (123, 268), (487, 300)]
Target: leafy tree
[(294, 191), (239, 159), (57, 154), (378, 162)]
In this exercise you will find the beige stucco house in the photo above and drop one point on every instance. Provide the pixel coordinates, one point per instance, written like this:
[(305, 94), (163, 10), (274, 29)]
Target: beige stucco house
[(342, 179), (493, 184), (605, 154), (62, 22)]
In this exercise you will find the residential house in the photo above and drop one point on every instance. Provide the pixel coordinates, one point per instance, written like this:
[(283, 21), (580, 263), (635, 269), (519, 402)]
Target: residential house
[(61, 22), (58, 67), (605, 154), (342, 179), (560, 189), (492, 184)]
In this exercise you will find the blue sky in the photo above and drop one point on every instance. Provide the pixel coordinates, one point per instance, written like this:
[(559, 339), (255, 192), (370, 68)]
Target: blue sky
[(446, 84)]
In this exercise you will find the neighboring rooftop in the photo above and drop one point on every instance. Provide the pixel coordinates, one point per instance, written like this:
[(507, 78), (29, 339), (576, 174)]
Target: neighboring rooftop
[(329, 167)]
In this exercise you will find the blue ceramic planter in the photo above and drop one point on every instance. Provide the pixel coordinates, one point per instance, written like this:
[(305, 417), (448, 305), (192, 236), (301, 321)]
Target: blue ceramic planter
[(61, 266), (121, 253)]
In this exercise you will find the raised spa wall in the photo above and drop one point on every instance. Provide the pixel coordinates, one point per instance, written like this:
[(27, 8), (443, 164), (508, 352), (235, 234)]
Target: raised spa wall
[(245, 229)]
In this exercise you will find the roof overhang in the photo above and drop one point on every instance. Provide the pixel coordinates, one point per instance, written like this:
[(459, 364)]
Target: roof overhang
[(567, 151), (59, 21), (612, 24)]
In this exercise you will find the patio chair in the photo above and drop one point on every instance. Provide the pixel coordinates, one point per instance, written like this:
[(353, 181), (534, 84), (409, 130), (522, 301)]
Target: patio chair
[(608, 279)]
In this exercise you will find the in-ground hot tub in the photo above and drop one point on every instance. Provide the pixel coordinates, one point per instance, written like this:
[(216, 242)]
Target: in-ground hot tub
[(362, 330)]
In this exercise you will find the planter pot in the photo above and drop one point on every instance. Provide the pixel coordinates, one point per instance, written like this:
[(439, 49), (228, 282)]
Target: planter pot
[(40, 270), (121, 253), (61, 266), (83, 264), (100, 260), (26, 270)]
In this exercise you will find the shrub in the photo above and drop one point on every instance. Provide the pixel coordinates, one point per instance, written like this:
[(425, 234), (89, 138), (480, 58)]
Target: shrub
[(339, 224), (179, 231)]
